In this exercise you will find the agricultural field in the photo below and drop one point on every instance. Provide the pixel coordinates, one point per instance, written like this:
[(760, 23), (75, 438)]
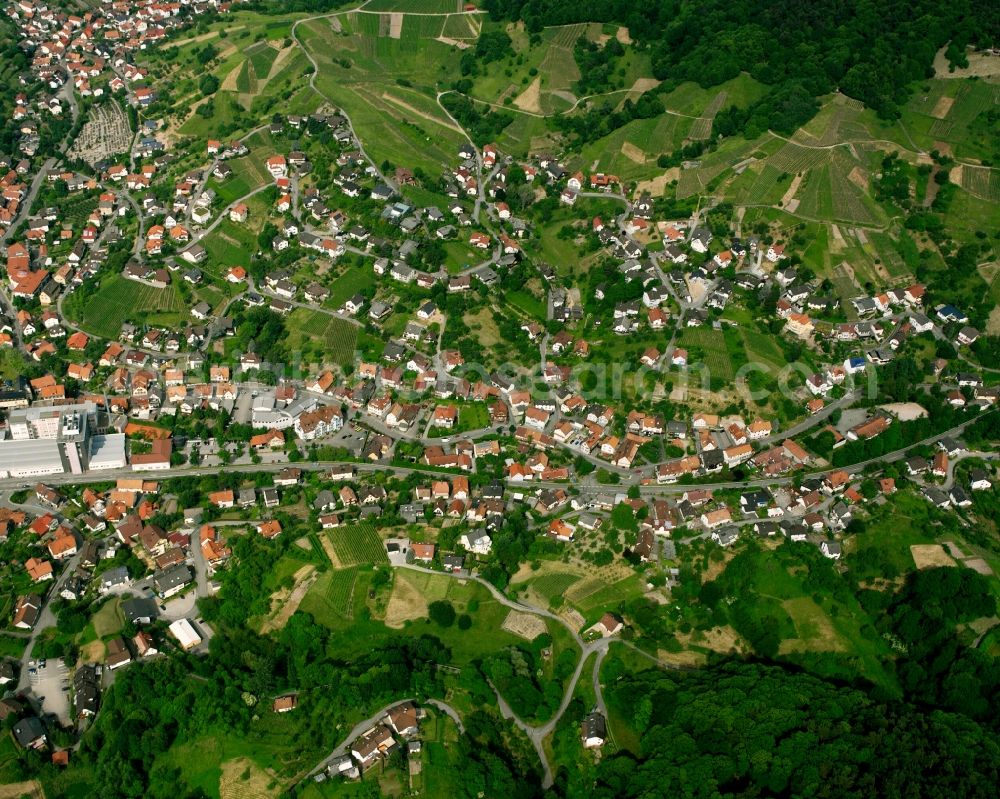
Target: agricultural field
[(118, 300), (555, 584), (594, 595), (332, 595), (761, 348), (357, 544), (760, 184), (711, 346), (953, 115), (415, 6), (335, 339), (578, 588), (368, 70), (982, 182)]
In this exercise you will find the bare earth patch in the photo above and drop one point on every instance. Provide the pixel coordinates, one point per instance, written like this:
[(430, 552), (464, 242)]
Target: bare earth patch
[(942, 107), (979, 565), (622, 35), (331, 553), (405, 604), (285, 601), (32, 789), (243, 779), (461, 45), (981, 65), (790, 193), (572, 617), (905, 411), (953, 550), (92, 652), (718, 639), (657, 186), (524, 625), (395, 25), (642, 85), (686, 657), (284, 53), (633, 153), (229, 82), (838, 238), (859, 178), (993, 323), (528, 99), (929, 556)]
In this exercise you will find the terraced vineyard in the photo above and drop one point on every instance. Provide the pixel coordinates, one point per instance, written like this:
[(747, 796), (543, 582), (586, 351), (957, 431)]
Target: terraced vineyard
[(357, 544), (118, 300), (982, 181), (555, 584), (340, 591), (794, 158)]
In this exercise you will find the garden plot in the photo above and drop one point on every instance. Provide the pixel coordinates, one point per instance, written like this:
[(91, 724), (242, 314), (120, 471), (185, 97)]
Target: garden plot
[(525, 625), (930, 556), (105, 134)]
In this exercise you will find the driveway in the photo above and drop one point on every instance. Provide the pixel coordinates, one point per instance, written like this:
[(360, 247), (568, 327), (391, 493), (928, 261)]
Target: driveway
[(182, 607), (47, 684)]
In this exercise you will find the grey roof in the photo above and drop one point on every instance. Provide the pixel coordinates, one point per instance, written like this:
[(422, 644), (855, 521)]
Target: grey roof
[(139, 608), (595, 726), (29, 730), (171, 578), (116, 576)]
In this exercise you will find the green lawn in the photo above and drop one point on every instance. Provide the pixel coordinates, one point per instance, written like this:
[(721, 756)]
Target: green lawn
[(355, 279), (527, 302)]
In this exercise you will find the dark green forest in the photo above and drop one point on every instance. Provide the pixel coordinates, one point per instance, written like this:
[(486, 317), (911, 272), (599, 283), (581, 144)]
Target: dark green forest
[(868, 50), (746, 730)]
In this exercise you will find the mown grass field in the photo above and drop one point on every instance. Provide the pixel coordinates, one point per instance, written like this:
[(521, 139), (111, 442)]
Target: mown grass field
[(353, 280), (227, 245), (527, 302)]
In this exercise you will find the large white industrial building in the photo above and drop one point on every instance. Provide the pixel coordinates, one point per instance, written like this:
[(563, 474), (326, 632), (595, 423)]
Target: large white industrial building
[(60, 439)]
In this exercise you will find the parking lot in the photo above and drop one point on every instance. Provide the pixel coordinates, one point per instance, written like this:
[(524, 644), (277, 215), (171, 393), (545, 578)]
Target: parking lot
[(50, 684)]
